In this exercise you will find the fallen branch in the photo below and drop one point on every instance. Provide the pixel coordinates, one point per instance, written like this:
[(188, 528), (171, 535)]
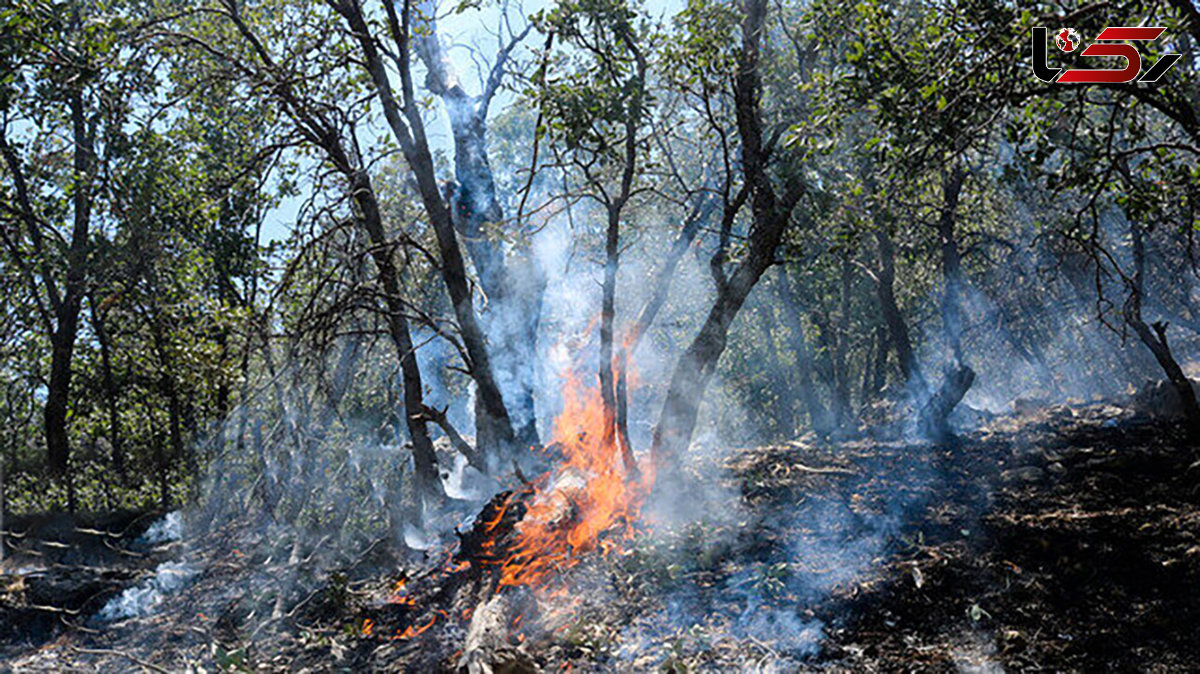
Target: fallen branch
[(823, 471), (128, 656), (474, 457)]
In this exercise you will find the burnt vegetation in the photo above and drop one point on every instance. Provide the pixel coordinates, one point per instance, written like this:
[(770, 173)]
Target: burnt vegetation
[(405, 336)]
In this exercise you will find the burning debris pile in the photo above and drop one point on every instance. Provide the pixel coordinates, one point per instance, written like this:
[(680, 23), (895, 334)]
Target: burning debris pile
[(513, 564), (858, 555)]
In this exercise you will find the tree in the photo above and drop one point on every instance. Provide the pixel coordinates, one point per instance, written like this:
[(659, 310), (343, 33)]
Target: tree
[(493, 426), (318, 129), (598, 113), (68, 70), (514, 283), (771, 212)]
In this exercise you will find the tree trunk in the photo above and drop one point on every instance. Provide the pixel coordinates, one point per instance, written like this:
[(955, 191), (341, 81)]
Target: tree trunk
[(493, 425), (58, 393), (424, 457), (818, 416), (958, 377), (771, 215), (841, 343), (872, 366), (952, 319), (934, 413), (514, 290), (910, 369), (661, 288), (881, 359), (781, 409), (608, 394), (1156, 341), (826, 368)]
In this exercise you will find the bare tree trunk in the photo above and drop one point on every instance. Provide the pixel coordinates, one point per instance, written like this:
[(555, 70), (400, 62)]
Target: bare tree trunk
[(661, 286), (880, 375), (952, 319), (514, 290), (58, 393), (841, 343), (58, 390), (608, 394), (613, 393), (910, 369), (872, 366), (825, 366)]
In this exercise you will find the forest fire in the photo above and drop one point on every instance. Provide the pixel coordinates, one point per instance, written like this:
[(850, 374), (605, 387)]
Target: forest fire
[(589, 501)]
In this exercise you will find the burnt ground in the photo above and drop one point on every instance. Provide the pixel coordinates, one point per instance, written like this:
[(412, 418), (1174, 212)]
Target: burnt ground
[(1064, 540)]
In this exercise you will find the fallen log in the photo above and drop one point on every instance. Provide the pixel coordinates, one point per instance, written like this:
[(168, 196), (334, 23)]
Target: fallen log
[(488, 648)]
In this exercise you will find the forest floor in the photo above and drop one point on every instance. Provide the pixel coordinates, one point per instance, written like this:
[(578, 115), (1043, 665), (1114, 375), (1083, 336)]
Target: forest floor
[(1063, 539)]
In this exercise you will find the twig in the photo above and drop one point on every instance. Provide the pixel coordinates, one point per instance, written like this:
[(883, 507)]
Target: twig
[(132, 658), (520, 475), (810, 469)]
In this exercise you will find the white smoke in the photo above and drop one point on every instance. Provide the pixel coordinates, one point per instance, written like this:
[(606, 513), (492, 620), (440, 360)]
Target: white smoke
[(141, 599), (165, 530)]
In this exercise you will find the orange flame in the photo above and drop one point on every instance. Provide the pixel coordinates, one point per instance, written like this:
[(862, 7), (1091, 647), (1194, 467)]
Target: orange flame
[(398, 595), (589, 496), (413, 630)]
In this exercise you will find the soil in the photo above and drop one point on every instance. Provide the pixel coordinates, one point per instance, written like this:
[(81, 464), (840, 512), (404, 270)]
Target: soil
[(1062, 539)]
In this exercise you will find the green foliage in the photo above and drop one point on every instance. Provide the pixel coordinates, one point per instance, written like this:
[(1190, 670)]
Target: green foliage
[(223, 282)]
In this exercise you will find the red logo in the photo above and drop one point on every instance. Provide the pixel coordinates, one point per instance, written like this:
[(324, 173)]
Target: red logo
[(1067, 39), (1110, 42)]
